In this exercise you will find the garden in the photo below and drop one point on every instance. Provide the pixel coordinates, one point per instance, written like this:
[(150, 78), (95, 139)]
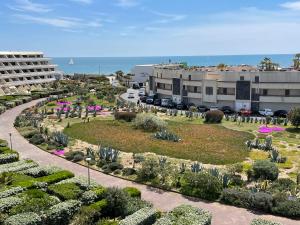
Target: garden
[(250, 162)]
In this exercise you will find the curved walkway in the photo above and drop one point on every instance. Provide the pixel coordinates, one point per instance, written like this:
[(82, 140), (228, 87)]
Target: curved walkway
[(163, 200)]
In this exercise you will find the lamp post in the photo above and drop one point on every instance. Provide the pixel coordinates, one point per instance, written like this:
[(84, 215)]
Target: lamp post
[(10, 141), (88, 161)]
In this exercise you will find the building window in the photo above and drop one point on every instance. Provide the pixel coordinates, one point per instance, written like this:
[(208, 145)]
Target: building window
[(190, 77), (209, 91), (184, 87), (195, 89), (242, 78), (161, 75), (256, 79), (180, 76), (265, 92), (287, 92)]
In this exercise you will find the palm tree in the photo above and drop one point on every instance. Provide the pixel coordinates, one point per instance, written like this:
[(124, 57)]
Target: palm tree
[(297, 61), (267, 65)]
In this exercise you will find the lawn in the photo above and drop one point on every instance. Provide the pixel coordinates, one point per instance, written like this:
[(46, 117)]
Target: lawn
[(212, 144)]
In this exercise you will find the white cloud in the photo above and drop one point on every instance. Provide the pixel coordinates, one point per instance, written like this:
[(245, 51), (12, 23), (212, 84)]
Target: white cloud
[(61, 22), (291, 5), (168, 18), (29, 6), (87, 2), (127, 3)]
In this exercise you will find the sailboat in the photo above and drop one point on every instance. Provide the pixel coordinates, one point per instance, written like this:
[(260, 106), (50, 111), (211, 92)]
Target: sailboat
[(71, 62)]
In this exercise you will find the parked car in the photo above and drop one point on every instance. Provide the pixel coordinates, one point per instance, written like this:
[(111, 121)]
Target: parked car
[(266, 112), (131, 95), (165, 102), (151, 99), (227, 110), (213, 108), (181, 106), (136, 86), (245, 112), (143, 98), (157, 102), (202, 108), (142, 92), (281, 113)]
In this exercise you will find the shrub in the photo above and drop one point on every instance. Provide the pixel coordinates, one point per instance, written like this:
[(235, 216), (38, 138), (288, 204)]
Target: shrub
[(128, 171), (202, 185), (283, 184), (10, 192), (37, 139), (29, 218), (215, 116), (294, 117), (17, 166), (165, 135), (65, 191), (148, 171), (89, 214), (133, 192), (265, 169), (8, 158), (9, 202), (145, 216), (127, 116), (149, 122), (29, 134), (74, 156), (112, 167), (288, 208), (62, 212), (186, 214), (56, 177), (263, 222), (41, 171), (82, 182)]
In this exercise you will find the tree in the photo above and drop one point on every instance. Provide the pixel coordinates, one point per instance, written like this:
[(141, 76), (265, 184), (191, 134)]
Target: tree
[(267, 65), (297, 61), (222, 66), (294, 117)]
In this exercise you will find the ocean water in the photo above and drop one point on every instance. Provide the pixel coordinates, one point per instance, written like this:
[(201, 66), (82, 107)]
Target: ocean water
[(108, 65)]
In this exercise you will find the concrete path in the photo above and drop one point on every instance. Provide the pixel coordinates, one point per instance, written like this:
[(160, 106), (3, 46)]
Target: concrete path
[(222, 214)]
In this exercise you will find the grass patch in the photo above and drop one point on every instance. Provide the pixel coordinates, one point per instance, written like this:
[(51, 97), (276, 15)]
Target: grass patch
[(258, 155), (213, 144)]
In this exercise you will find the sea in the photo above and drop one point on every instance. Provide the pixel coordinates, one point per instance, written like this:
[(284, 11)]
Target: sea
[(109, 65)]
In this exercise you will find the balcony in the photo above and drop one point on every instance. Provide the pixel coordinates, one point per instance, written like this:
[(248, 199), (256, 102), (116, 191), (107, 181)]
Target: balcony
[(163, 81), (30, 74), (164, 92), (226, 97), (27, 82), (27, 67), (280, 99), (24, 59), (194, 95), (192, 83)]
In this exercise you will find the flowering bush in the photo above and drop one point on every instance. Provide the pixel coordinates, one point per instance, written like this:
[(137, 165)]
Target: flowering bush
[(186, 214), (29, 218), (9, 202), (8, 158), (17, 166), (10, 192), (41, 171), (263, 222), (145, 216), (62, 212), (81, 181), (149, 122), (91, 196)]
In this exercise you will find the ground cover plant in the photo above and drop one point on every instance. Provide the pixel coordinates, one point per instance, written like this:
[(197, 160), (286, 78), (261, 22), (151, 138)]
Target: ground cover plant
[(205, 143)]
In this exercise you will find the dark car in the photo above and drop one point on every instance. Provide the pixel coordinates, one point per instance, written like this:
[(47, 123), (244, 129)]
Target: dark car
[(280, 113), (143, 98), (202, 108), (157, 102), (227, 110), (151, 99), (181, 106)]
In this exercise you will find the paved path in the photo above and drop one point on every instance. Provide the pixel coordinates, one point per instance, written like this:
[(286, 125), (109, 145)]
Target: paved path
[(222, 214)]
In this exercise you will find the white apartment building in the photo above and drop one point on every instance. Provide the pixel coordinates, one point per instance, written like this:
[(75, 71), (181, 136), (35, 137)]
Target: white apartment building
[(237, 87), (141, 73), (22, 72)]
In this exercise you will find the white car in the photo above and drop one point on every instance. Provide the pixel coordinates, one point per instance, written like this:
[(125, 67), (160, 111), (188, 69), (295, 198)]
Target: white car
[(214, 108), (131, 95), (142, 92), (266, 112)]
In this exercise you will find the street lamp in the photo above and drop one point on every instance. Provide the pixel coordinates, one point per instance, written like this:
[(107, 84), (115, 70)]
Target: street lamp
[(10, 141), (88, 161)]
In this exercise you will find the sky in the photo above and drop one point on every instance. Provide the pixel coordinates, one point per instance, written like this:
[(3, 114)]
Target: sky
[(150, 27)]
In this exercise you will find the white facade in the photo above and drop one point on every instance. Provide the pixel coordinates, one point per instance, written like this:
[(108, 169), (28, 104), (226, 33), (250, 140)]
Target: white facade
[(22, 72), (142, 72)]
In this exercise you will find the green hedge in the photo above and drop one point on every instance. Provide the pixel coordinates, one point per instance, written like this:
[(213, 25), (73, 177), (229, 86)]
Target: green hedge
[(8, 158), (65, 191), (263, 222), (56, 177), (145, 216), (132, 192), (186, 214)]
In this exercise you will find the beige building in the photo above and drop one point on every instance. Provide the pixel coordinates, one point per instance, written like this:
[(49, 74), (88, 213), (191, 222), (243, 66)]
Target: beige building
[(22, 72), (237, 87)]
